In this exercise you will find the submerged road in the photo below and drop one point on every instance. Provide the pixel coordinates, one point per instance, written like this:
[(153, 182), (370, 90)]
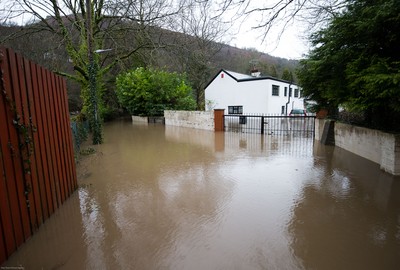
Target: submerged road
[(156, 197)]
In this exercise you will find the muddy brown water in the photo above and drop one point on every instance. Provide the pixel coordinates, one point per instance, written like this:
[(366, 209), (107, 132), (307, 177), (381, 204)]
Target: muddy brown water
[(156, 197)]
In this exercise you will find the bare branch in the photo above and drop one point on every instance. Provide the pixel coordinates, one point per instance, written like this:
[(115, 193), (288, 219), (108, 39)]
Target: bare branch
[(279, 14)]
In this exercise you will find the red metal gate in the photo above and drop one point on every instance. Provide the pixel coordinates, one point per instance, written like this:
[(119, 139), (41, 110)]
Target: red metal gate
[(36, 153)]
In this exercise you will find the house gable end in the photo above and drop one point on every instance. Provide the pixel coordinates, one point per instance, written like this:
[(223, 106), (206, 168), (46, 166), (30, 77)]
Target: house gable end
[(218, 74)]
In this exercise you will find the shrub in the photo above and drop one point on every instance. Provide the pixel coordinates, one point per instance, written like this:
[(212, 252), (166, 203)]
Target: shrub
[(148, 92)]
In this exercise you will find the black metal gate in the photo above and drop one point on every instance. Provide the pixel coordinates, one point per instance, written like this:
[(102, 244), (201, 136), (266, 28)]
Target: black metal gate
[(270, 124)]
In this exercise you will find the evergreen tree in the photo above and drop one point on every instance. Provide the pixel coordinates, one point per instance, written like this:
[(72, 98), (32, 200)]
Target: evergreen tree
[(273, 71), (355, 62), (287, 75)]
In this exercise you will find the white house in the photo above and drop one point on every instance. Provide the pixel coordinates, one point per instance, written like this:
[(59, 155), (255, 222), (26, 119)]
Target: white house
[(252, 94)]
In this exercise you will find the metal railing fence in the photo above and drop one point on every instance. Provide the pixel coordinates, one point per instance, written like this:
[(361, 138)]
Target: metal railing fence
[(270, 124)]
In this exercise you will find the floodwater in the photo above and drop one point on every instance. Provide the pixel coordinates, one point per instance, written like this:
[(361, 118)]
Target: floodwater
[(155, 197)]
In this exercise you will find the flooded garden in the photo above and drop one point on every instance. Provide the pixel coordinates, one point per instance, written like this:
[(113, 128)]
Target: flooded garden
[(163, 197)]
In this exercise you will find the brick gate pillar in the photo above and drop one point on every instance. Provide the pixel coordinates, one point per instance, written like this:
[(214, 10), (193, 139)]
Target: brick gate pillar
[(219, 119)]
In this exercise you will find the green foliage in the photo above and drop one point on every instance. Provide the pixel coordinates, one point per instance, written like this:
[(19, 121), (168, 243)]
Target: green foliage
[(148, 92), (92, 101), (355, 62), (80, 130), (287, 75), (25, 132), (273, 71)]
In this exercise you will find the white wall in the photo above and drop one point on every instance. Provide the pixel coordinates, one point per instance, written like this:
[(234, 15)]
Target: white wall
[(141, 119), (275, 103), (191, 119), (255, 95), (221, 92), (361, 141), (377, 146)]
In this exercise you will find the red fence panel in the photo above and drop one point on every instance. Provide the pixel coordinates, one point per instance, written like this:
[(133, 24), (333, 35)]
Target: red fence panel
[(36, 151), (12, 157), (37, 217)]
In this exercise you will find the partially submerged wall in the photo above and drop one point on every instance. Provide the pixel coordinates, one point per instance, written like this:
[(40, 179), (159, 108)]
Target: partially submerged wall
[(360, 141), (148, 119), (191, 119), (377, 146), (140, 119)]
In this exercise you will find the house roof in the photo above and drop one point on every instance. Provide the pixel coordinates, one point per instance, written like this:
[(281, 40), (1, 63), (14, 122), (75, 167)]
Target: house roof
[(239, 77)]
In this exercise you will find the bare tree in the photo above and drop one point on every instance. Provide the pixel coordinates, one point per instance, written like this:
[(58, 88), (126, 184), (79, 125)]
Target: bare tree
[(122, 26), (203, 34), (279, 14), (86, 29)]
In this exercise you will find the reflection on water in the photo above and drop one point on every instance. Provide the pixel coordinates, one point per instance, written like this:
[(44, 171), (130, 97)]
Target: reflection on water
[(348, 216), (156, 197)]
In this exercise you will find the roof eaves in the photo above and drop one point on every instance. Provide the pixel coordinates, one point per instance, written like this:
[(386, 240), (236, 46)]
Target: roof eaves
[(265, 78), (246, 79)]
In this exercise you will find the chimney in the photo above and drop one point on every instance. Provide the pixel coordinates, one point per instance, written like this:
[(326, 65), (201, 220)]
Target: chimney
[(255, 73)]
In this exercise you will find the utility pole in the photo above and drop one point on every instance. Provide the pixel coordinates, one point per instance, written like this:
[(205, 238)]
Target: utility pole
[(94, 119)]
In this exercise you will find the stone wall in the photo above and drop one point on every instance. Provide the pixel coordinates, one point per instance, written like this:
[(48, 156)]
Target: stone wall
[(377, 146), (140, 119), (319, 128), (148, 119), (191, 119)]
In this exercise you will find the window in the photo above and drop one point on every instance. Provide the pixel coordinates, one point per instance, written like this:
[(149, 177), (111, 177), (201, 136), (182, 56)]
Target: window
[(275, 90), (235, 109), (296, 92), (285, 92), (283, 109), (290, 91)]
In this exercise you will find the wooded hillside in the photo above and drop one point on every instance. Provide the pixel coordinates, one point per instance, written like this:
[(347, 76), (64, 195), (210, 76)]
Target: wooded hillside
[(47, 50)]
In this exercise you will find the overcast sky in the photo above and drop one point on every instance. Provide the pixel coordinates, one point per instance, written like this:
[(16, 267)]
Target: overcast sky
[(286, 41), (292, 43)]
